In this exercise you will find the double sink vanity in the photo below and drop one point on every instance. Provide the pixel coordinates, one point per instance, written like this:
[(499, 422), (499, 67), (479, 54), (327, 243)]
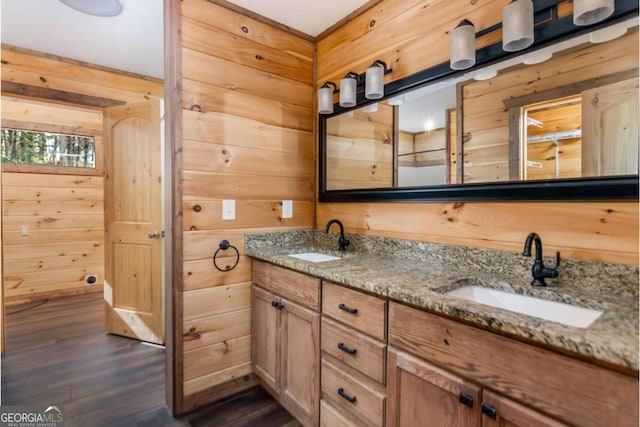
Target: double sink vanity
[(401, 333)]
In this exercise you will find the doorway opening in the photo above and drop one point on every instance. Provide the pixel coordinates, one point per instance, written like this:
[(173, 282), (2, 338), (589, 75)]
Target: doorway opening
[(552, 139)]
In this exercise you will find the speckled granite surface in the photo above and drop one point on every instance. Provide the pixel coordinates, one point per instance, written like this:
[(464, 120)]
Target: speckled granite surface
[(419, 273)]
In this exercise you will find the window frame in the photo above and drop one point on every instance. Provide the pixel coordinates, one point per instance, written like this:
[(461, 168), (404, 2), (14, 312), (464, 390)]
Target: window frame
[(57, 170)]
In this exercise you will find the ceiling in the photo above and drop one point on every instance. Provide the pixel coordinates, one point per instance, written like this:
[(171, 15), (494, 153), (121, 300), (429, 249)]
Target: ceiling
[(133, 40), (310, 17)]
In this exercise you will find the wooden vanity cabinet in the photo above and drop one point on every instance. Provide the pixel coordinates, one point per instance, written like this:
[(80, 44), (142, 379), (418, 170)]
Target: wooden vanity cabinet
[(285, 339), (420, 394), (435, 364), (498, 411), (354, 351)]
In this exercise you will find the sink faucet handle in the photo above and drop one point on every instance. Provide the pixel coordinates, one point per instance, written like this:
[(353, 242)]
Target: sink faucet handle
[(557, 260)]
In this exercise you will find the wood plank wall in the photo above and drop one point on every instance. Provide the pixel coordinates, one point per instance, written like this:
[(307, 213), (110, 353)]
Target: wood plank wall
[(64, 213), (412, 35), (486, 120), (247, 136), (360, 149)]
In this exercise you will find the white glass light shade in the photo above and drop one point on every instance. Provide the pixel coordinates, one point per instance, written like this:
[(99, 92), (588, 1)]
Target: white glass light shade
[(325, 100), (370, 108), (95, 7), (348, 87), (517, 25), (537, 57), (609, 33), (485, 74), (463, 46), (396, 100), (587, 12), (374, 82)]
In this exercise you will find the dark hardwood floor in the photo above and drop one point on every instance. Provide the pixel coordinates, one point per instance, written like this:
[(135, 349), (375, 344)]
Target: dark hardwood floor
[(57, 353)]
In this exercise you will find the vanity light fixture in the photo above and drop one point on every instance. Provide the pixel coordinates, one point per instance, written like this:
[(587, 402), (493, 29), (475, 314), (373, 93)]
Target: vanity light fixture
[(102, 8), (348, 89), (517, 25), (463, 46), (370, 108), (325, 98), (588, 12), (374, 80)]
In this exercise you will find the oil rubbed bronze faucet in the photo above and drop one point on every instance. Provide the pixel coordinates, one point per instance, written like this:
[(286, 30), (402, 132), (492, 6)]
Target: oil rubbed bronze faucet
[(539, 271), (342, 242)]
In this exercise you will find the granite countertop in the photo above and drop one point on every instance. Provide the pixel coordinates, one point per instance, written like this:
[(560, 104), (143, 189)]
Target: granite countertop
[(420, 273)]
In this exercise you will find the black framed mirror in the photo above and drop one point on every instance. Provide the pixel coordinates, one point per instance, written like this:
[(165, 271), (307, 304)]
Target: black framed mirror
[(452, 173)]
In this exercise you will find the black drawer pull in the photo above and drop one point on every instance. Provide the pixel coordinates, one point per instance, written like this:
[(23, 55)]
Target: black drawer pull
[(466, 399), (345, 396), (348, 309), (346, 349), (489, 410), (274, 303)]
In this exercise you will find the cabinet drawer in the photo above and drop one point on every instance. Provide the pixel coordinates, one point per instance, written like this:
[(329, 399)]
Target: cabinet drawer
[(565, 388), (294, 286), (351, 393), (355, 349), (331, 417), (356, 309)]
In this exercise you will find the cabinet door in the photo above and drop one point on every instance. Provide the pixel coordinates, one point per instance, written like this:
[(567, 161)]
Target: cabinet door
[(500, 411), (265, 339), (300, 362), (420, 394)]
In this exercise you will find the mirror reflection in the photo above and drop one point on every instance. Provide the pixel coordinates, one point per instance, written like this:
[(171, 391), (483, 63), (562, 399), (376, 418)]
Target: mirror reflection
[(574, 115)]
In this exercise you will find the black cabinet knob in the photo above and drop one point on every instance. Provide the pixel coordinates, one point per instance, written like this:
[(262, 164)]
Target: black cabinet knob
[(489, 410), (466, 399)]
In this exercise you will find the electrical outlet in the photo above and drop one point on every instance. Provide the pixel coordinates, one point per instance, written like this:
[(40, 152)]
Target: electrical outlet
[(287, 209), (228, 210), (24, 230)]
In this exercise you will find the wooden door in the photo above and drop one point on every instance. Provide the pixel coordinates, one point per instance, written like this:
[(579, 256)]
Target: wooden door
[(610, 129), (265, 339), (500, 411), (133, 222), (300, 362), (420, 394)]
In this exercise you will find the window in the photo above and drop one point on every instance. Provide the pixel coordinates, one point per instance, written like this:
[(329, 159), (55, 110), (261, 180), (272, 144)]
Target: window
[(48, 149)]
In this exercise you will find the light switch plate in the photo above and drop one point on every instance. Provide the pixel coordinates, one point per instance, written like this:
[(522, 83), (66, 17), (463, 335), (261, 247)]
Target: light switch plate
[(287, 209), (228, 210), (24, 230)]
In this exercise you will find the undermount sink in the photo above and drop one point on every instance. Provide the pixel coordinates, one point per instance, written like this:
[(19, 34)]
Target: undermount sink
[(315, 257), (566, 314)]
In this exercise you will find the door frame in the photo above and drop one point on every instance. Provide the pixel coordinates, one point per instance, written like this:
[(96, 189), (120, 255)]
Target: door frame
[(514, 105), (172, 187), (172, 218)]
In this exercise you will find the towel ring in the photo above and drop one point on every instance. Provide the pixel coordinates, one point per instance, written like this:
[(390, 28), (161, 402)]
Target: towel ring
[(224, 245)]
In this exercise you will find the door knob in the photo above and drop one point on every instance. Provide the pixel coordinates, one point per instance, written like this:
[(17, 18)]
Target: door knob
[(154, 235)]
